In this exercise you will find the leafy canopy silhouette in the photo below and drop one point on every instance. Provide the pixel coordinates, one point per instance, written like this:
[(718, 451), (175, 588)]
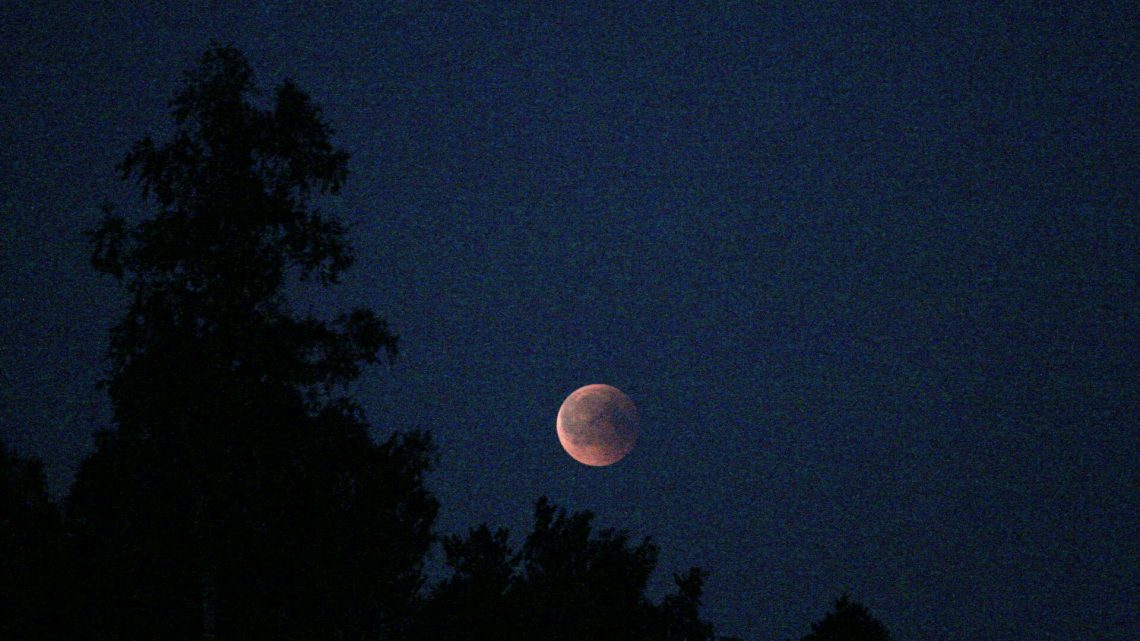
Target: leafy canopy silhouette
[(240, 494), (848, 621), (565, 582), (31, 569)]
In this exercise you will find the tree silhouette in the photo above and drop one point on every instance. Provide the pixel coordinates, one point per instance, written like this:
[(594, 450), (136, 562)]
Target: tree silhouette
[(582, 587), (566, 582), (240, 495), (680, 612), (474, 603), (849, 621), (31, 564)]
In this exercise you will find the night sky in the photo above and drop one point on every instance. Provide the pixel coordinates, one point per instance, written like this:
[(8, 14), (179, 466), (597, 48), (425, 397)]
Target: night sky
[(872, 277)]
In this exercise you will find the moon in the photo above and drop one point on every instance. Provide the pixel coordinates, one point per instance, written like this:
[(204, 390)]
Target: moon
[(597, 425)]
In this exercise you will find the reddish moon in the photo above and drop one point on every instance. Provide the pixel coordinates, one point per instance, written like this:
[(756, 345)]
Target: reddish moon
[(597, 425)]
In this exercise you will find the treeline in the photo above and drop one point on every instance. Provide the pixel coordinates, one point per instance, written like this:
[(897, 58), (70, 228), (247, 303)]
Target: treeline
[(239, 494), (567, 581)]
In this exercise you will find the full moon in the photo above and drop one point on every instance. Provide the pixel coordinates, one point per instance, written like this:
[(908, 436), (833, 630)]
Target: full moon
[(597, 425)]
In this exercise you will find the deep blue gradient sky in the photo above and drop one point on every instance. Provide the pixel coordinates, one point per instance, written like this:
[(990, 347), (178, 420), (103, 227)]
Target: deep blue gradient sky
[(872, 277)]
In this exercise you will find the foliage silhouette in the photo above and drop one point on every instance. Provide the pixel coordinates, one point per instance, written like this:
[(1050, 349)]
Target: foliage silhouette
[(474, 602), (240, 495), (849, 621), (566, 582), (31, 565)]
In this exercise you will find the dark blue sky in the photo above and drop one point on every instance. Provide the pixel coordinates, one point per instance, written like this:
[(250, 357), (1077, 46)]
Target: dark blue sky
[(871, 277)]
